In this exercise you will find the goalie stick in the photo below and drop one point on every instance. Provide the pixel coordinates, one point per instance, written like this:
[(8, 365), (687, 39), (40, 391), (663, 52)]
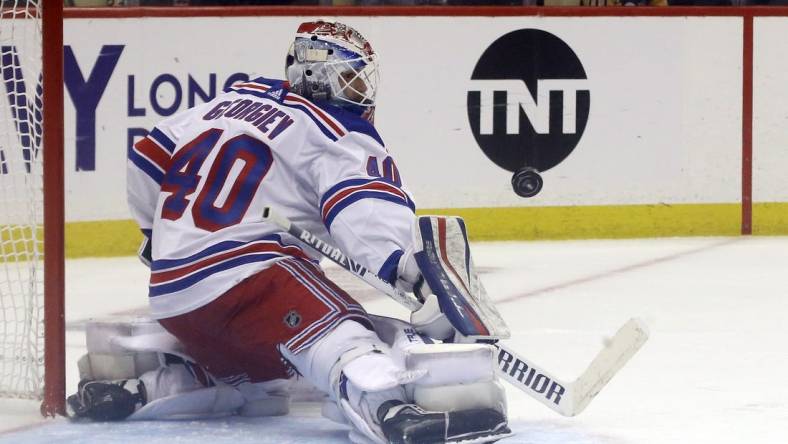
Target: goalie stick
[(565, 398), (338, 257)]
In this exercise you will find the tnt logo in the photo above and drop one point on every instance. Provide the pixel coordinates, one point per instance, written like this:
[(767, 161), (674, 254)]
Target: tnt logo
[(528, 100), (537, 110)]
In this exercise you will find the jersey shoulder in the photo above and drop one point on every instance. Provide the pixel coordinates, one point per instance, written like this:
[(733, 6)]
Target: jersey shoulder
[(351, 121), (332, 120)]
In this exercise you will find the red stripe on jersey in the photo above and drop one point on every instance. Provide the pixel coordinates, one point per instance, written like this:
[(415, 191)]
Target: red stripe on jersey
[(374, 186), (314, 276), (153, 152), (343, 306), (267, 247), (296, 346), (320, 114), (259, 86)]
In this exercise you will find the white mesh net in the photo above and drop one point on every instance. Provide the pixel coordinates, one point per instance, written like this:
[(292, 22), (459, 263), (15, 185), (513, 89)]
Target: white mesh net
[(21, 201)]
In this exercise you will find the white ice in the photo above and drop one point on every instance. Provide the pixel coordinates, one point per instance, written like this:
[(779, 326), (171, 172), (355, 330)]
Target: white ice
[(714, 370)]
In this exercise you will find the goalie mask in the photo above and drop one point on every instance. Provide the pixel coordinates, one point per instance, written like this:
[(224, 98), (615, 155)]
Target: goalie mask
[(333, 62)]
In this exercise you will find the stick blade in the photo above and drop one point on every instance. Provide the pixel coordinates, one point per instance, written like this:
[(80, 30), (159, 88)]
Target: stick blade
[(617, 352)]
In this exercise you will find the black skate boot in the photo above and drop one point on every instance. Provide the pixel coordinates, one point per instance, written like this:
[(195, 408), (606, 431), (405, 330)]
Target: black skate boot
[(106, 400), (410, 424)]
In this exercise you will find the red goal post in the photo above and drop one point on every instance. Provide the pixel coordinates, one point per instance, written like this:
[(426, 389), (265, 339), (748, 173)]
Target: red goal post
[(32, 328), (54, 211)]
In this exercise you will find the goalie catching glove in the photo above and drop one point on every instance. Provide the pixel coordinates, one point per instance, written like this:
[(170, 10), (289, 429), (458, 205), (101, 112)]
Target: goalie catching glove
[(438, 268)]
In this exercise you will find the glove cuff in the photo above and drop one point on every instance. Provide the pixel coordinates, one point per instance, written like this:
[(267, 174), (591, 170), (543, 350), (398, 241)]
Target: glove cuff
[(431, 321), (407, 268)]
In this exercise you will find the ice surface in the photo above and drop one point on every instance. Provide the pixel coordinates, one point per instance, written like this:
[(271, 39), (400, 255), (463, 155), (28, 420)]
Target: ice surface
[(303, 425), (714, 370)]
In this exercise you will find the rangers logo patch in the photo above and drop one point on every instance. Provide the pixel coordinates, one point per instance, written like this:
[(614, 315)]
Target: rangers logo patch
[(293, 319)]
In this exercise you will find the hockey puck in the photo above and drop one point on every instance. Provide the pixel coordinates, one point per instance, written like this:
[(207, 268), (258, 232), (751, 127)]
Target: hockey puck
[(527, 182)]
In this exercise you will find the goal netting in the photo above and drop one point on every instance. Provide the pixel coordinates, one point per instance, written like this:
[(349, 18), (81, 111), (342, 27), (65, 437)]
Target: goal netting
[(22, 302), (21, 203)]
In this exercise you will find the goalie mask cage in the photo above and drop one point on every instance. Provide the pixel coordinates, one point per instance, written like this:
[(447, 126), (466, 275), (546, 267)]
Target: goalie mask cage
[(32, 345)]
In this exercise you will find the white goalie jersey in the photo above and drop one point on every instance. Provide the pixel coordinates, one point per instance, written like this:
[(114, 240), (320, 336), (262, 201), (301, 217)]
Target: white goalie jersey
[(198, 183)]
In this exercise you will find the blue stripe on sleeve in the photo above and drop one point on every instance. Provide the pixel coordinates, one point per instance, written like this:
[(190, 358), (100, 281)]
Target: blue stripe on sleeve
[(356, 182), (163, 140), (146, 166), (344, 184), (369, 194)]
